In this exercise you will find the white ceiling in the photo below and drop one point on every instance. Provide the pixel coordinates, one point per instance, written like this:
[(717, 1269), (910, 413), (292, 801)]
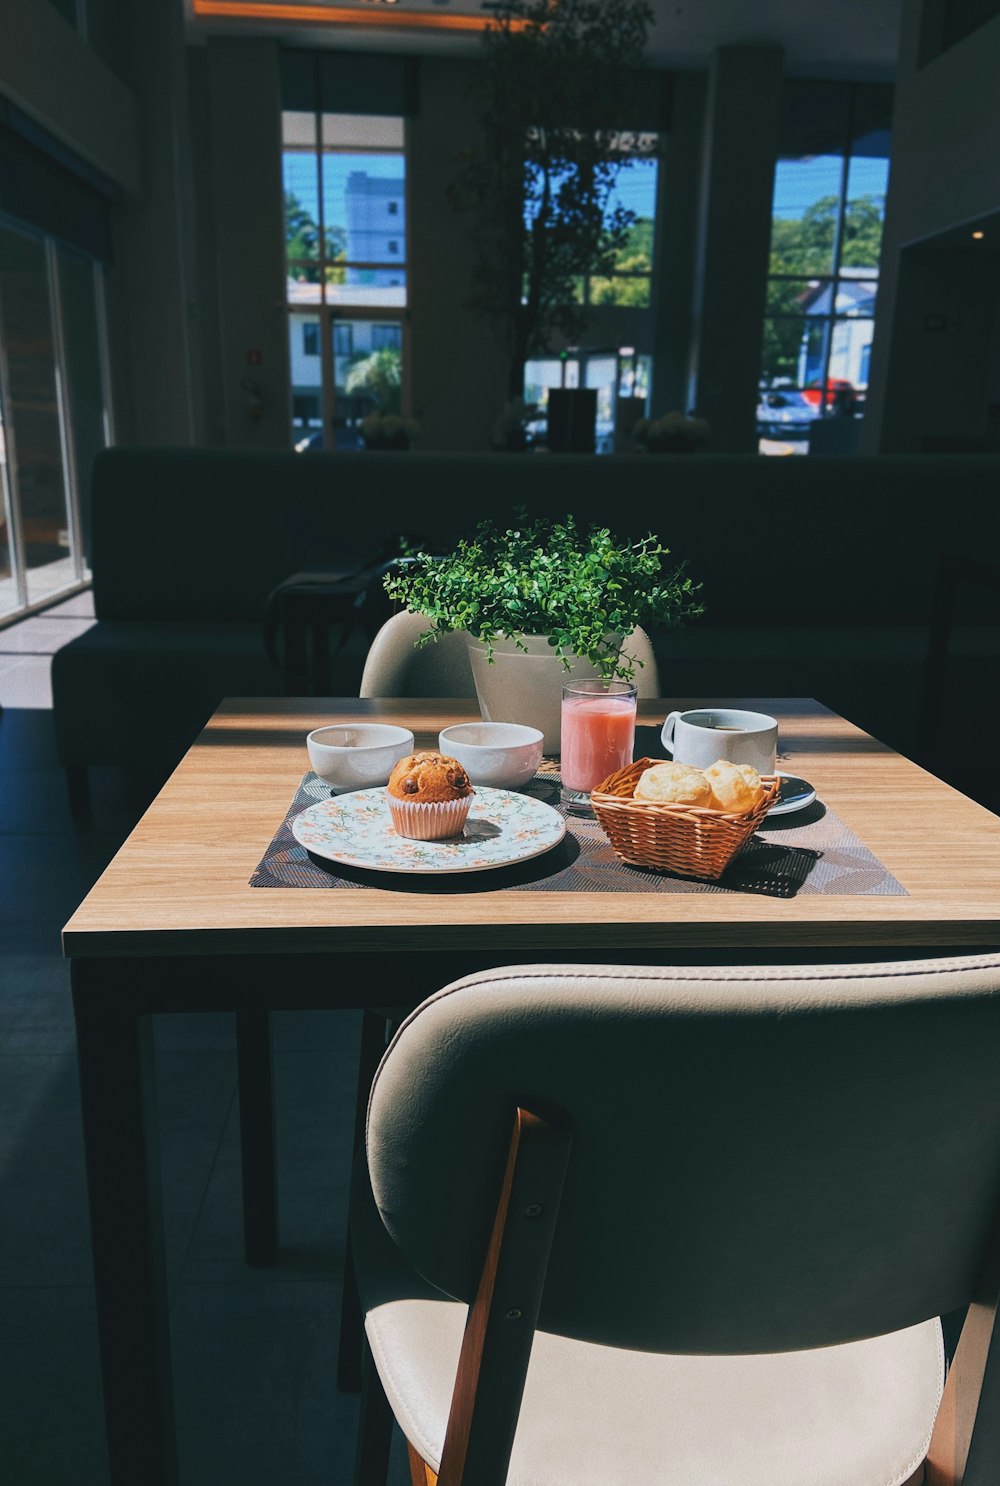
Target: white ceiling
[(855, 39), (835, 38)]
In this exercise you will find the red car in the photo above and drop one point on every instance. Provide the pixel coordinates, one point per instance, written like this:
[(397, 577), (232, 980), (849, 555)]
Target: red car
[(840, 395)]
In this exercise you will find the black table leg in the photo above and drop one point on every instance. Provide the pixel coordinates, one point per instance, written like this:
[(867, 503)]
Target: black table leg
[(118, 1105), (257, 1139)]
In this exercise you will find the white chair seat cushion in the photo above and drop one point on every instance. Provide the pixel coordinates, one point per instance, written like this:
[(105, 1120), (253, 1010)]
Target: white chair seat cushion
[(854, 1415)]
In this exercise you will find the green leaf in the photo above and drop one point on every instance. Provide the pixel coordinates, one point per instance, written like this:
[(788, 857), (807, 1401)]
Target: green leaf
[(550, 578)]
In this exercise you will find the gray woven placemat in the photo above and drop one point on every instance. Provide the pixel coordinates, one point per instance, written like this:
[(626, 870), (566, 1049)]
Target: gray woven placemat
[(811, 851)]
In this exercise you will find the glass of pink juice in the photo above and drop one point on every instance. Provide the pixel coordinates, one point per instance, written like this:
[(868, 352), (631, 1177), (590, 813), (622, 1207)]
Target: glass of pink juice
[(597, 736)]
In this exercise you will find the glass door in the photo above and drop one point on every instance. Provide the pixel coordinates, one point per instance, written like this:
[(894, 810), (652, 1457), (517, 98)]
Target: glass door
[(345, 368), (54, 415), (32, 415), (11, 591), (367, 376)]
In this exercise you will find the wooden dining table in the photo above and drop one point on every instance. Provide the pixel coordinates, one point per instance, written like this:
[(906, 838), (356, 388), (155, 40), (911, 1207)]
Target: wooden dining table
[(173, 926)]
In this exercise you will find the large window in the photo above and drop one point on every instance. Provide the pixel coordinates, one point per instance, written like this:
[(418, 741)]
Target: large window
[(619, 375), (635, 192), (828, 208), (345, 238), (345, 209)]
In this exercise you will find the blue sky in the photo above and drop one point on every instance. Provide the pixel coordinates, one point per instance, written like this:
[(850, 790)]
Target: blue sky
[(798, 183), (635, 188)]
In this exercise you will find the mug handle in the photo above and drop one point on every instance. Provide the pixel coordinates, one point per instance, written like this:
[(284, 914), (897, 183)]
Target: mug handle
[(667, 734)]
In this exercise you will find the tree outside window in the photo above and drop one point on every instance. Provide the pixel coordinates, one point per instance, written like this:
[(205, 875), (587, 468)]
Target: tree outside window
[(826, 238), (344, 174)]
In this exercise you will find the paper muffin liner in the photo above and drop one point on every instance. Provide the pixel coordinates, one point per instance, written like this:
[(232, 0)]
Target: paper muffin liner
[(429, 822)]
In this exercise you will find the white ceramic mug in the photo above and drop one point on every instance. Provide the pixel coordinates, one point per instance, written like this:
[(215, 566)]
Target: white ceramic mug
[(706, 734)]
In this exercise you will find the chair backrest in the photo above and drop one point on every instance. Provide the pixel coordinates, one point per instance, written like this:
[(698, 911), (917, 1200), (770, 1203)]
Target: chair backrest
[(762, 1159), (396, 668)]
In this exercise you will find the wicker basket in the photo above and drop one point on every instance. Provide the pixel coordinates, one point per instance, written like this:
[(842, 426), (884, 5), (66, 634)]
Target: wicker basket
[(685, 839)]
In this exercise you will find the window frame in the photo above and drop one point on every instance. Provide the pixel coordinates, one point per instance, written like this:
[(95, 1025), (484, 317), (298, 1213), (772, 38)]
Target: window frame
[(322, 265), (626, 156), (827, 321)]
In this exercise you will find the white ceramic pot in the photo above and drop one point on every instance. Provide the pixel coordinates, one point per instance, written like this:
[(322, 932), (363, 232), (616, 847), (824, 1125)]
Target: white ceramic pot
[(525, 687)]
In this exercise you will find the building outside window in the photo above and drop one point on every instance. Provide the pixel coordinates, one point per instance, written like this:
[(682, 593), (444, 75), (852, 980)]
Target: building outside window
[(387, 338), (343, 174), (344, 178), (828, 210)]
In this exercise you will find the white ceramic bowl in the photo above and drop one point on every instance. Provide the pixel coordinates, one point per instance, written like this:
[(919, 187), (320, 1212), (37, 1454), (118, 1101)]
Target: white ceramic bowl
[(357, 755), (503, 754)]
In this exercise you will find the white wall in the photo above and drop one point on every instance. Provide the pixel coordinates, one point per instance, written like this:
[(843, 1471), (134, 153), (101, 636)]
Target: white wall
[(945, 173), (248, 237), (457, 369), (151, 288), (47, 70), (734, 233)]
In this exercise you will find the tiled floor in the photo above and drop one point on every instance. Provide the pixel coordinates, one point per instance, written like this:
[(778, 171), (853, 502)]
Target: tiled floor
[(44, 581), (254, 1351), (26, 651)]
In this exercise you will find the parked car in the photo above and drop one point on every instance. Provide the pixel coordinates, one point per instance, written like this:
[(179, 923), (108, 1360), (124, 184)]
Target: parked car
[(785, 415), (841, 396)]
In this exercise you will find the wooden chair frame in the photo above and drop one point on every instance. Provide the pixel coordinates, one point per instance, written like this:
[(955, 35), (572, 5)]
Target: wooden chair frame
[(496, 1346), (500, 1327)]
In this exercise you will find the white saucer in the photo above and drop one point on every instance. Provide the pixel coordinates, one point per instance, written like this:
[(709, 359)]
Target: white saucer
[(796, 794)]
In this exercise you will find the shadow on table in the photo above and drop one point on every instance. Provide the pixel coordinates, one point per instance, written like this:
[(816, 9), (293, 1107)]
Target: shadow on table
[(521, 874), (770, 868), (807, 816)]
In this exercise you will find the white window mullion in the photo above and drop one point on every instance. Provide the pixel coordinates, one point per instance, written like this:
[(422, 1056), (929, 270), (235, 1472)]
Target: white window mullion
[(66, 443)]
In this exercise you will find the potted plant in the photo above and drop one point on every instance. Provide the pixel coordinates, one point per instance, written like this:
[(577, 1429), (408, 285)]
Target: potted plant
[(671, 433), (388, 431), (540, 601)]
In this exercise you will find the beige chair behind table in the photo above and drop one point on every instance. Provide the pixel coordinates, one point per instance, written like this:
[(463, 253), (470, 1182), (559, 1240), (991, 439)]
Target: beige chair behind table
[(396, 668), (735, 1203)]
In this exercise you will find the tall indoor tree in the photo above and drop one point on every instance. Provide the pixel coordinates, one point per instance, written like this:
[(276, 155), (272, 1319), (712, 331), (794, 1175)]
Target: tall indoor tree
[(555, 104)]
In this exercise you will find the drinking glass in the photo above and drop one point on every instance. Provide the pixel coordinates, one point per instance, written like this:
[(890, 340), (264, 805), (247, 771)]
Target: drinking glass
[(597, 736)]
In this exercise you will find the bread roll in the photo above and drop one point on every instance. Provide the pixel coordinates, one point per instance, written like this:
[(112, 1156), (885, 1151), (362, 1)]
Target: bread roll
[(735, 788), (678, 784)]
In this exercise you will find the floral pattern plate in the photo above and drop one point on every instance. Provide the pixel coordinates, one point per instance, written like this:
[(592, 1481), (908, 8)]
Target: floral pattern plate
[(356, 829)]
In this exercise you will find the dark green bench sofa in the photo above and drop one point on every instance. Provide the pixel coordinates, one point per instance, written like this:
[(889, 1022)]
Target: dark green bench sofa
[(817, 573)]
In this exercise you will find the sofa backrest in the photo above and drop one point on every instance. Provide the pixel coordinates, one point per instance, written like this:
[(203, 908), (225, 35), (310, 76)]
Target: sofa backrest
[(206, 534)]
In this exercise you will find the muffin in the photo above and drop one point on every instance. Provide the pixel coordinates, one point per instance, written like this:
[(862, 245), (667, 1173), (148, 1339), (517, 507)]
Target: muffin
[(429, 796), (678, 784)]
